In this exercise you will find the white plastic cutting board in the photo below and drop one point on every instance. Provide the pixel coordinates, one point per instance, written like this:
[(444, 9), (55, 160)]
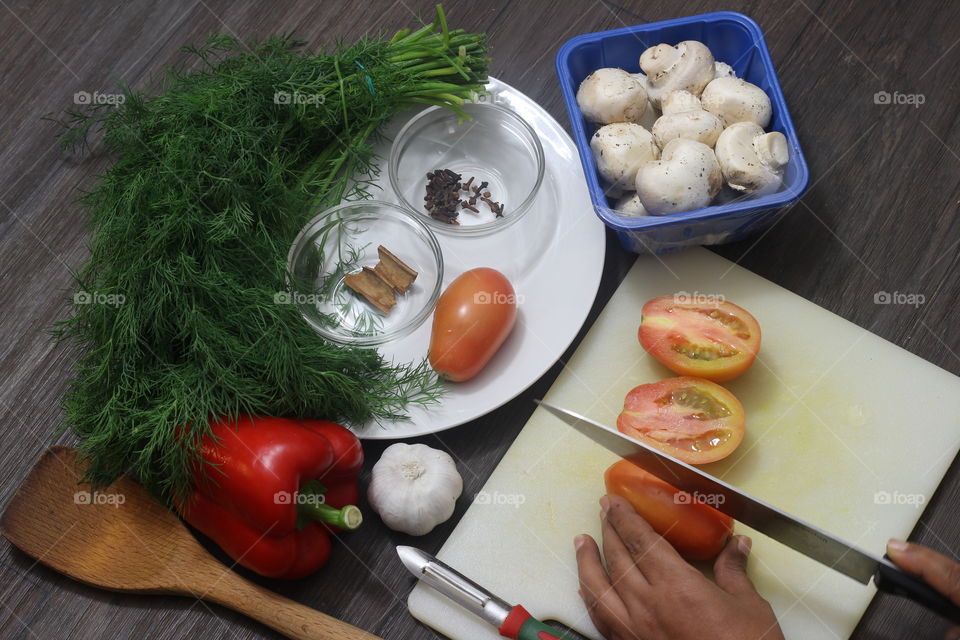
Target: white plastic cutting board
[(844, 429)]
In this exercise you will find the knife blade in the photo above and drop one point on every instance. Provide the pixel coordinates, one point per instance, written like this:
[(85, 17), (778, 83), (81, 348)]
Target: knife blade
[(511, 621), (808, 539)]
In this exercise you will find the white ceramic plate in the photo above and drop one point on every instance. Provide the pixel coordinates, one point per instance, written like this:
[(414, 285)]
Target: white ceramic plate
[(553, 257)]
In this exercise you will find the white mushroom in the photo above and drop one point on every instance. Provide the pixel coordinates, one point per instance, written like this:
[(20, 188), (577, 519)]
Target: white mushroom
[(736, 100), (723, 70), (752, 161), (620, 149), (612, 95), (684, 117), (630, 206), (687, 66), (686, 177), (651, 114)]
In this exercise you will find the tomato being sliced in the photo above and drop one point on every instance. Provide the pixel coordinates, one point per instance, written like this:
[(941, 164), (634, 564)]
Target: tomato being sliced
[(716, 340), (695, 529), (692, 419)]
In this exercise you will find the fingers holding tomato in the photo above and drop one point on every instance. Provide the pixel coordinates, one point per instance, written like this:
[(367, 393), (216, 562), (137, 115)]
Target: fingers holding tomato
[(716, 340)]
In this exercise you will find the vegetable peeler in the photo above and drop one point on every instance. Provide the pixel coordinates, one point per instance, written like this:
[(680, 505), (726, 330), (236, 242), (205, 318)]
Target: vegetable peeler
[(511, 621)]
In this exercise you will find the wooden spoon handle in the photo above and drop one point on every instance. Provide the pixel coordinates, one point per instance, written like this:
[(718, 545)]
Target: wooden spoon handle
[(290, 618)]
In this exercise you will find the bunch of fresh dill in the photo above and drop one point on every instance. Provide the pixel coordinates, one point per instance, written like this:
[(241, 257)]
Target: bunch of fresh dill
[(191, 227)]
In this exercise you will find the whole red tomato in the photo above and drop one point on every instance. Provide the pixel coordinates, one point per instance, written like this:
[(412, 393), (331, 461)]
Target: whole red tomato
[(474, 315)]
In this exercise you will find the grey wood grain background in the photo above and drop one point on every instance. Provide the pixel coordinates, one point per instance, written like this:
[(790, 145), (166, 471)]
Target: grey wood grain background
[(881, 215)]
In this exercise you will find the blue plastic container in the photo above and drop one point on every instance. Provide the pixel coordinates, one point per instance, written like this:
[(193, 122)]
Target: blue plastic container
[(732, 38)]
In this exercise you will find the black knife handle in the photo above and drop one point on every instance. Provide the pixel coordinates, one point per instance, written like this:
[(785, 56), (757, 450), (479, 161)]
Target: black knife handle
[(894, 581)]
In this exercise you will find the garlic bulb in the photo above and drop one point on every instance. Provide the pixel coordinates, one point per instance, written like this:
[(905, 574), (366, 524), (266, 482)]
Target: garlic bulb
[(414, 488)]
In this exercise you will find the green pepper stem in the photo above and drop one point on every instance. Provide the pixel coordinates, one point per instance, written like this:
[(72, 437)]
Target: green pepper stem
[(347, 518), (312, 508)]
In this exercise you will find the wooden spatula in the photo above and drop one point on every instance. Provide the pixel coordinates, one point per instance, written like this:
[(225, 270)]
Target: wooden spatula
[(119, 538)]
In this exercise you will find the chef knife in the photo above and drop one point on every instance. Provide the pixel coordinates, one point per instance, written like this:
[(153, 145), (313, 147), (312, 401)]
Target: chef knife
[(511, 621), (801, 536)]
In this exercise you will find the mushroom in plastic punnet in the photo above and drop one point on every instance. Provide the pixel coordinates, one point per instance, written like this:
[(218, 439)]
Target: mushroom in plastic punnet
[(612, 95), (686, 177), (630, 206), (723, 70), (752, 161), (620, 149), (688, 66), (651, 114), (684, 117), (736, 100)]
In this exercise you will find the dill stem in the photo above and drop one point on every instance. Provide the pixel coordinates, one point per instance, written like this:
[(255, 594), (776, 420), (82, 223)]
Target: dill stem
[(443, 71)]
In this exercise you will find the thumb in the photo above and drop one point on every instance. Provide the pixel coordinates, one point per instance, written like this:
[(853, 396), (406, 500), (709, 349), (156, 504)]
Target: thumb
[(730, 568)]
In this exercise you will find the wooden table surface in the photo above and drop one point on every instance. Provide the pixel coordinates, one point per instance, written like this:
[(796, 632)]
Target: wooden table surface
[(881, 215)]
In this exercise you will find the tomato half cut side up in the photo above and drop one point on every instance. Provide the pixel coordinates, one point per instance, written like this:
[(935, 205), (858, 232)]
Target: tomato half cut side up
[(691, 419), (695, 529), (712, 339)]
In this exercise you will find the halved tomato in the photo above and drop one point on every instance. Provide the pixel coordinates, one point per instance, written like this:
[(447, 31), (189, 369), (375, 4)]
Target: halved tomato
[(692, 419), (695, 529), (713, 339)]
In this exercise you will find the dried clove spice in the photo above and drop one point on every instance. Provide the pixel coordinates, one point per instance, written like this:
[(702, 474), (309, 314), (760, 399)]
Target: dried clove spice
[(443, 195), (442, 199)]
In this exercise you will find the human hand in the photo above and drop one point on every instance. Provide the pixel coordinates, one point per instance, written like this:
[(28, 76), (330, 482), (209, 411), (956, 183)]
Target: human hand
[(648, 591), (937, 570)]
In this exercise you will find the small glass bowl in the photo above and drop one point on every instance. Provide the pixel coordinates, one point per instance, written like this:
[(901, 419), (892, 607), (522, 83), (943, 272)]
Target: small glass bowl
[(343, 240), (496, 146)]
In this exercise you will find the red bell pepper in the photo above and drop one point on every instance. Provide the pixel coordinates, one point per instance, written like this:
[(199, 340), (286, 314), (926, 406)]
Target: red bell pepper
[(271, 490)]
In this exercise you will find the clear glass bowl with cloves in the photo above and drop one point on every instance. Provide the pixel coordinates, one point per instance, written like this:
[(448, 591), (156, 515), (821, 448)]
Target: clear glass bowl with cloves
[(467, 176)]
